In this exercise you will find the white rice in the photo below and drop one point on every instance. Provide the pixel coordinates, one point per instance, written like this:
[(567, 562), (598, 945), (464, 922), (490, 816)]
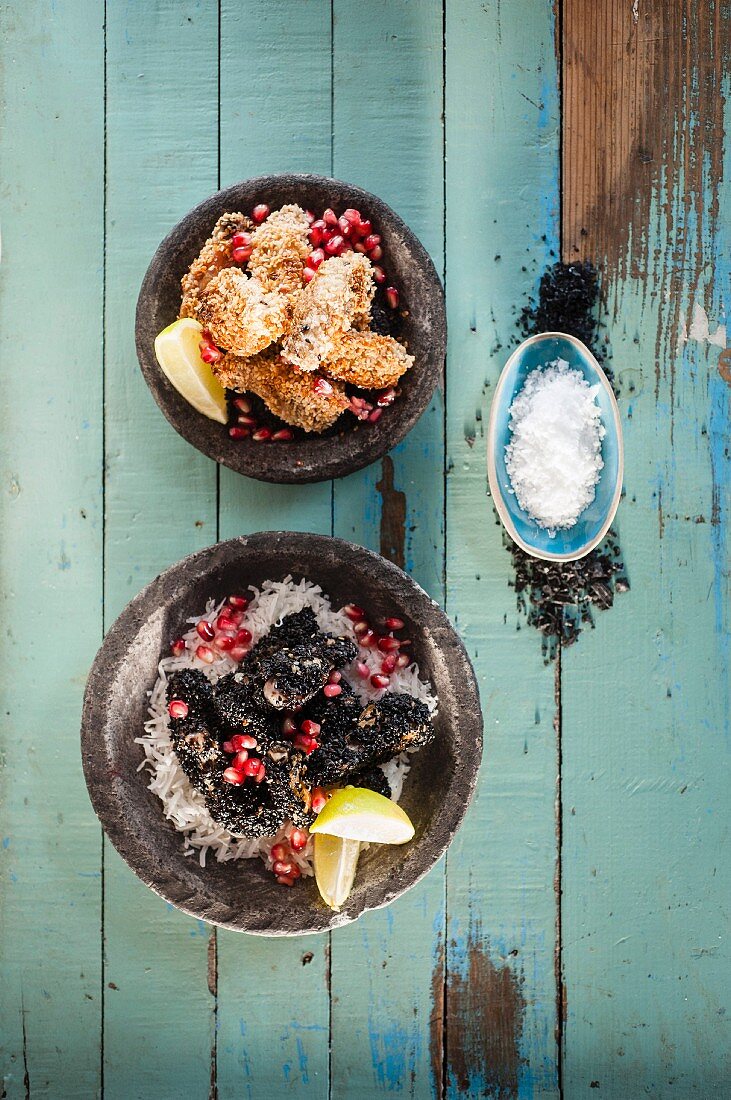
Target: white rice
[(182, 804)]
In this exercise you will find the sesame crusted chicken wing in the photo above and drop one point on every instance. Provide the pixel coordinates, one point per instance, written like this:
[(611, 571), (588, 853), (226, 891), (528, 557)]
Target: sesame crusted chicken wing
[(337, 299), (213, 257), (368, 360), (288, 394), (240, 314), (279, 250)]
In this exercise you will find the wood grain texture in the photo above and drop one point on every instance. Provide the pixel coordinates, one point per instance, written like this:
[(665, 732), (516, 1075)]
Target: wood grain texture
[(502, 229), (646, 698), (273, 997), (50, 541), (388, 138), (161, 155)]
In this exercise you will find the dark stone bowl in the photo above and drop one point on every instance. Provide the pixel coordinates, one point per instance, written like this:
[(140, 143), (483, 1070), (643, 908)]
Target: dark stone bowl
[(312, 458), (241, 894)]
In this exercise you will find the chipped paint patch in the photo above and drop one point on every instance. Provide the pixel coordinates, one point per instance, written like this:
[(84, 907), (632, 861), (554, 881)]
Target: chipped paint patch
[(436, 1020), (485, 1010), (700, 329), (393, 516)]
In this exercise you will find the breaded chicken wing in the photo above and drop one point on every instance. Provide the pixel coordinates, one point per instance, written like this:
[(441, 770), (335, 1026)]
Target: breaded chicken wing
[(336, 300), (240, 314), (213, 257), (288, 393), (279, 250), (368, 360)]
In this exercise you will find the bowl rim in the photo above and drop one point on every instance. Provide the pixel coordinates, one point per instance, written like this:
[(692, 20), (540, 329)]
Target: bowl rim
[(492, 476), (380, 438), (96, 764)]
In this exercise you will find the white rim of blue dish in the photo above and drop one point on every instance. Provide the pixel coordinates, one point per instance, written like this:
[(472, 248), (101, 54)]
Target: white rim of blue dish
[(492, 477)]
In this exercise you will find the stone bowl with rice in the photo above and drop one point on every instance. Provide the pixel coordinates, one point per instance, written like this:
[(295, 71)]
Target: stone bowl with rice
[(141, 796)]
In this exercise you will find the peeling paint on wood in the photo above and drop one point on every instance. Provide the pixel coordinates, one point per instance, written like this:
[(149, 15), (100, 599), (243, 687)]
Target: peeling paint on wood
[(393, 515)]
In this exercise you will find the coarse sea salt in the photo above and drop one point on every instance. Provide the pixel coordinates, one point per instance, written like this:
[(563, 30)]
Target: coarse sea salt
[(554, 456)]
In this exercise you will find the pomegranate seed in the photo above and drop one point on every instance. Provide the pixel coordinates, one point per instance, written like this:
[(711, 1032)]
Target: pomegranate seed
[(247, 420), (379, 274), (365, 228), (392, 296), (308, 274), (234, 776), (243, 637), (352, 215), (262, 435), (241, 255), (285, 880), (310, 728), (394, 624), (330, 217), (335, 677), (289, 726), (260, 212), (278, 852), (228, 747), (224, 621), (386, 643), (367, 640), (335, 245), (239, 602), (360, 247), (386, 397), (206, 335), (205, 630), (307, 744), (295, 873), (319, 799), (240, 240), (261, 774), (375, 415), (242, 404), (354, 613), (322, 386), (205, 653), (298, 840), (332, 690), (251, 767), (372, 241), (310, 217), (388, 664), (224, 642), (403, 660), (362, 670), (240, 759), (284, 435), (376, 254), (243, 741), (177, 647), (210, 353), (238, 653), (239, 433), (345, 226), (316, 258), (362, 627), (318, 229), (282, 867), (177, 708), (380, 681)]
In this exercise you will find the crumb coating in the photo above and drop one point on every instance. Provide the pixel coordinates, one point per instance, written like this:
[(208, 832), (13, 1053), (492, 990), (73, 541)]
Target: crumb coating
[(213, 257), (240, 313), (279, 249), (287, 393)]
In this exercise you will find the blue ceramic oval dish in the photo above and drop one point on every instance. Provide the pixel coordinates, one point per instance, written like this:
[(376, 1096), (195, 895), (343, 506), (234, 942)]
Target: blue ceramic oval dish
[(593, 523)]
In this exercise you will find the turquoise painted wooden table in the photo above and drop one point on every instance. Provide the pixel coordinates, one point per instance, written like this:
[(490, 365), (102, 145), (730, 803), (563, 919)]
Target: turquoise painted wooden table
[(574, 936)]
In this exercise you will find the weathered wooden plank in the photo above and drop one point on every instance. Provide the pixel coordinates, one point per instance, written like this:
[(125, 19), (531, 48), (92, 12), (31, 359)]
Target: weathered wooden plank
[(273, 1001), (646, 699), (388, 137), (161, 158), (502, 207), (51, 524)]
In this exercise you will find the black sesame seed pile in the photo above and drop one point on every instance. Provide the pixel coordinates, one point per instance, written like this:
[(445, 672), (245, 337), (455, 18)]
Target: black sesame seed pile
[(559, 598)]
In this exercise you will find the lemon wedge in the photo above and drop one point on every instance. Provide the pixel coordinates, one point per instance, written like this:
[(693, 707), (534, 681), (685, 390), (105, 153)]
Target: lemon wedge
[(356, 813), (336, 861), (178, 354)]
